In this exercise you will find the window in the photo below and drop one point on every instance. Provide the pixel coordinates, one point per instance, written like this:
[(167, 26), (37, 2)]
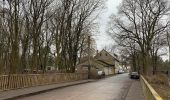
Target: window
[(100, 54), (106, 54)]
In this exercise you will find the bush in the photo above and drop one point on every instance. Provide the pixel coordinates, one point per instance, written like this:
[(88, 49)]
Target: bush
[(159, 78)]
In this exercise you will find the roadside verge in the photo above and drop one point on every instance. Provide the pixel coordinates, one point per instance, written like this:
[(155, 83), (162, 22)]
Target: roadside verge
[(149, 92)]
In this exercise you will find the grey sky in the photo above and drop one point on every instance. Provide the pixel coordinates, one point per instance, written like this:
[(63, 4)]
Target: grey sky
[(102, 39)]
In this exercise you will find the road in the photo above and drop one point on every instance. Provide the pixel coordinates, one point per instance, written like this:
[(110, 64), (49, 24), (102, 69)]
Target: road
[(112, 88)]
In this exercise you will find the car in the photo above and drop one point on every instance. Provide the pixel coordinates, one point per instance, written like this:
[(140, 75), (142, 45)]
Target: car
[(134, 75), (101, 74), (120, 71)]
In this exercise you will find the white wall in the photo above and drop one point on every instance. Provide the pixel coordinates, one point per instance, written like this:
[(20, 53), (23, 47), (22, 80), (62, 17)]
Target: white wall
[(108, 70)]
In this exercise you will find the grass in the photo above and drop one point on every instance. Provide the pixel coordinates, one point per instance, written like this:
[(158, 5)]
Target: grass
[(163, 91), (160, 83)]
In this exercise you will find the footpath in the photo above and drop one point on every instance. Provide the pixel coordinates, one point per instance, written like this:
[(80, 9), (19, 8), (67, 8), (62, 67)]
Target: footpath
[(135, 92), (11, 94)]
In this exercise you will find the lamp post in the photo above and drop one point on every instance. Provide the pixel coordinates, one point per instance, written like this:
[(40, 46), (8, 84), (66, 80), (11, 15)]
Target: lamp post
[(89, 57)]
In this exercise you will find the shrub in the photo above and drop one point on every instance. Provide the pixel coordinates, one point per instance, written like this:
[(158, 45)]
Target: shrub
[(159, 78)]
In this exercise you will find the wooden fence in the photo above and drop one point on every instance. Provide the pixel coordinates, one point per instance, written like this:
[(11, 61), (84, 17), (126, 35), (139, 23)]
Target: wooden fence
[(149, 92), (8, 82)]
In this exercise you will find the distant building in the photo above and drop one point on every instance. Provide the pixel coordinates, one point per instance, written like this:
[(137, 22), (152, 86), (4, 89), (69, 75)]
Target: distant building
[(50, 68), (102, 61)]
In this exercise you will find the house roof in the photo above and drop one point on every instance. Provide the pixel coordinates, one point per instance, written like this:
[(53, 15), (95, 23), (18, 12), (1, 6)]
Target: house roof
[(106, 60), (101, 63), (95, 63), (101, 57)]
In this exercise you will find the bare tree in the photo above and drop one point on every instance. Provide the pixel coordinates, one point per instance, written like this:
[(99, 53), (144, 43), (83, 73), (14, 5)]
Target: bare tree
[(140, 21), (72, 18), (32, 30)]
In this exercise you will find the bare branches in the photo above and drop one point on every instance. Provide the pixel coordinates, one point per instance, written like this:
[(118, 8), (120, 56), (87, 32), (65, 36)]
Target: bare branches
[(34, 31), (141, 22)]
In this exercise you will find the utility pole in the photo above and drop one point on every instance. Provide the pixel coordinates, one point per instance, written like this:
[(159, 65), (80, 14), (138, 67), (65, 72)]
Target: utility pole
[(89, 57)]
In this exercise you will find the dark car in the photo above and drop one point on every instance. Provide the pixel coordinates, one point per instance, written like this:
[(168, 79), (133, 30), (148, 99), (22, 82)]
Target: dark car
[(134, 75)]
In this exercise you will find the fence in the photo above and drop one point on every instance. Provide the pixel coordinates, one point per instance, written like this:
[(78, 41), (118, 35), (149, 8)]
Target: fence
[(8, 82), (149, 92)]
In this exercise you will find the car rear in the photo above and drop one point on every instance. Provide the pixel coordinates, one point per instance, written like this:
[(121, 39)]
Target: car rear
[(134, 75)]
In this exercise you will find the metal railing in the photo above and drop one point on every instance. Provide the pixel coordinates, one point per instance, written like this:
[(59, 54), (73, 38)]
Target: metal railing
[(149, 92), (8, 82)]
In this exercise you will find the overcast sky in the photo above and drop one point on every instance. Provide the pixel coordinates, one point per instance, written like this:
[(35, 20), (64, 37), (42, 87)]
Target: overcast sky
[(102, 39)]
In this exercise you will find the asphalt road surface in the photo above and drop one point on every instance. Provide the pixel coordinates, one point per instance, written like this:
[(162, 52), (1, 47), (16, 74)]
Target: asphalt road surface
[(112, 88)]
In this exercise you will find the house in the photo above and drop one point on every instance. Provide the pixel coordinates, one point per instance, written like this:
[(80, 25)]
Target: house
[(111, 61), (50, 68), (102, 61), (94, 65)]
